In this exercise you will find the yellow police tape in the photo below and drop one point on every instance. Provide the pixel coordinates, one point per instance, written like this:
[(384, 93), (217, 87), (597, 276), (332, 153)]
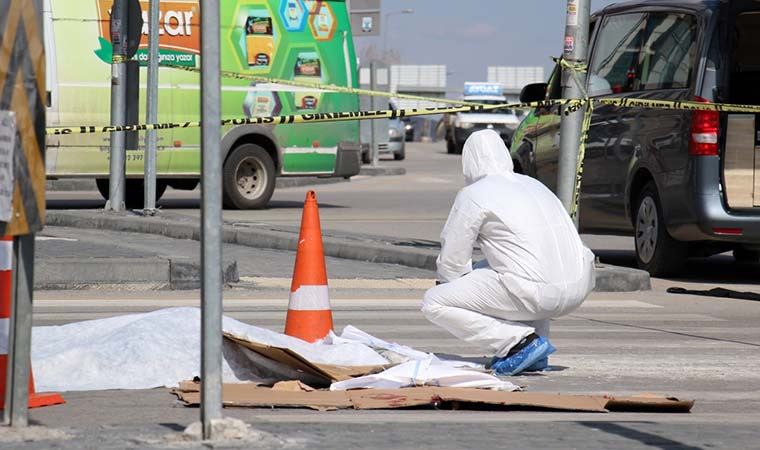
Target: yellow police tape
[(677, 104), (306, 118), (329, 87)]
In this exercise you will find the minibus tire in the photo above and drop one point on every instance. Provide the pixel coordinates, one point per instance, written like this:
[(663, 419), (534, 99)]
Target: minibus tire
[(248, 178), (134, 191)]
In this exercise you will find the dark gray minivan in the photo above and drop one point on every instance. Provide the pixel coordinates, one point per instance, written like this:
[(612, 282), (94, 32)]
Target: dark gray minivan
[(683, 183)]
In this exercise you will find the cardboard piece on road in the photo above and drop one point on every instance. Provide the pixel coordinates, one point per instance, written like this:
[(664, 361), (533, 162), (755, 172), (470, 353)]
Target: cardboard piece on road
[(647, 403), (250, 395), (330, 373), (292, 386)]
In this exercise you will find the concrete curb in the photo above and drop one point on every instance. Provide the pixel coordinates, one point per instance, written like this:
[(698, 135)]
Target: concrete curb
[(609, 278), (621, 279), (160, 273), (381, 171), (71, 184)]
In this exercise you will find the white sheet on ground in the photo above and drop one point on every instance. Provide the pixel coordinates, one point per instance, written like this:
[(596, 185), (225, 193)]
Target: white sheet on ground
[(428, 372), (160, 348)]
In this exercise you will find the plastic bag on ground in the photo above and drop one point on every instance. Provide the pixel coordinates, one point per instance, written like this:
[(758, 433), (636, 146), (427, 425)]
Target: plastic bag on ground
[(351, 334), (428, 372)]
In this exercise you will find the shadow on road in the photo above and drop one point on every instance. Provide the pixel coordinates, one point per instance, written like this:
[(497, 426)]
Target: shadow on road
[(718, 269), (648, 439), (75, 204)]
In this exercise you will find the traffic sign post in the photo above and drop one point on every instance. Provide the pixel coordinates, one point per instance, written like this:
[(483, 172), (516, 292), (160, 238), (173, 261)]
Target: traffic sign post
[(22, 180), (126, 31)]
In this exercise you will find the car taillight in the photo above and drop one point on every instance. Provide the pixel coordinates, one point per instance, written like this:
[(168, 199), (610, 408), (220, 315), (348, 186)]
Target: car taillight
[(704, 131)]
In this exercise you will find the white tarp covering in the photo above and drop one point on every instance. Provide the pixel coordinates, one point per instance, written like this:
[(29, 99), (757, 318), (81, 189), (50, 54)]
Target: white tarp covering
[(162, 348)]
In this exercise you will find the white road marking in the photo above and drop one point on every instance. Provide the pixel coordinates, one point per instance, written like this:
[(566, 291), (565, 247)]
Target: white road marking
[(54, 238), (617, 304)]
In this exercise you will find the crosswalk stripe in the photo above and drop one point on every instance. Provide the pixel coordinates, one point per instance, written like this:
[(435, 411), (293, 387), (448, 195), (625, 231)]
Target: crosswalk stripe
[(346, 283), (391, 303)]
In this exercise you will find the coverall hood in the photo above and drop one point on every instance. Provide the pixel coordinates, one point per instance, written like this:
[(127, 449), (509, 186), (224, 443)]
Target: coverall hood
[(485, 154)]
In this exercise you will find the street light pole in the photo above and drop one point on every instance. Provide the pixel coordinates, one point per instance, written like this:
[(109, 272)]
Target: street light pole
[(211, 219), (387, 28), (117, 154), (151, 142), (576, 45)]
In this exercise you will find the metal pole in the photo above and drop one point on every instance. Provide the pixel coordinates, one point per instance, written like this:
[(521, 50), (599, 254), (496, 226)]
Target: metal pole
[(151, 115), (373, 102), (211, 219), (576, 45), (16, 412), (118, 105)]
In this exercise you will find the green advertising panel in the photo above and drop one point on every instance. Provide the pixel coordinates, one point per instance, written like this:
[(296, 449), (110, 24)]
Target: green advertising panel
[(285, 39)]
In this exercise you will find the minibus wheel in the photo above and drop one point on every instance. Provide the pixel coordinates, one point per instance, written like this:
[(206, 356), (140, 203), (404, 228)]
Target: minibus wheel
[(248, 178)]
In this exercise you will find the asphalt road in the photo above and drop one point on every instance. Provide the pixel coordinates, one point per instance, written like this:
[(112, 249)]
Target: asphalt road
[(689, 347), (412, 206)]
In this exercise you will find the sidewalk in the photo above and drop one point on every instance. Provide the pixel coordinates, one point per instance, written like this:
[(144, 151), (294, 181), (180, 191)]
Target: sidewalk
[(419, 254)]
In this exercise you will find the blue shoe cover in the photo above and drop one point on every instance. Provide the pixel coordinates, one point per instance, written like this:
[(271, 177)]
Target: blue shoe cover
[(512, 365), (539, 365)]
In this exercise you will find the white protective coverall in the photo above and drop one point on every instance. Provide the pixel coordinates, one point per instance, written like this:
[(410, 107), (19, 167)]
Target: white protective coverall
[(538, 268)]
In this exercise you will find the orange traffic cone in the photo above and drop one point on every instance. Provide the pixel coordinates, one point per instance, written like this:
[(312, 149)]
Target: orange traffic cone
[(309, 314), (6, 257)]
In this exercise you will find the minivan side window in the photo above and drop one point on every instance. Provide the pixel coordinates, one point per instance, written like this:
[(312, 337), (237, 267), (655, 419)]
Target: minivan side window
[(614, 62), (667, 56)]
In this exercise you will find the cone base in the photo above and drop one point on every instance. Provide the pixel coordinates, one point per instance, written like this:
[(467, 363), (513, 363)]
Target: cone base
[(310, 326), (42, 400), (35, 400)]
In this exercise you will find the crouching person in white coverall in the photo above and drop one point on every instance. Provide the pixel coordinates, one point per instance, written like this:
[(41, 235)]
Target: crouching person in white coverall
[(537, 267)]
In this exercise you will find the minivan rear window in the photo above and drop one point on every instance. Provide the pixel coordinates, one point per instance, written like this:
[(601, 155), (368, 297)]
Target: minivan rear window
[(637, 52), (668, 52)]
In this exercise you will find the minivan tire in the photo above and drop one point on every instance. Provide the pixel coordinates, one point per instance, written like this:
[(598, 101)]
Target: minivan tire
[(248, 178), (400, 155), (656, 251)]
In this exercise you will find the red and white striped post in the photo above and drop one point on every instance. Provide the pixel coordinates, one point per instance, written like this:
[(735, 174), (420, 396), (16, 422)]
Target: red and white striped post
[(6, 282)]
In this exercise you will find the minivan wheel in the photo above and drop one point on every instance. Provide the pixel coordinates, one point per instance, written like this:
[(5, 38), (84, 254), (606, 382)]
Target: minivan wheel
[(656, 252), (248, 178)]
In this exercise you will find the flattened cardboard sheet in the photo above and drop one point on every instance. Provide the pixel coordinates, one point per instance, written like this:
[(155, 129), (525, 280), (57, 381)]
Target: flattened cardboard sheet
[(329, 372), (250, 395)]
